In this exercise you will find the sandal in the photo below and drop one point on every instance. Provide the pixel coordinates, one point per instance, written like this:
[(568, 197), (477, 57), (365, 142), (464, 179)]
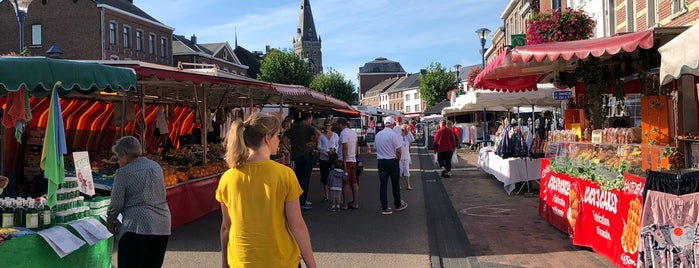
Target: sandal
[(409, 188)]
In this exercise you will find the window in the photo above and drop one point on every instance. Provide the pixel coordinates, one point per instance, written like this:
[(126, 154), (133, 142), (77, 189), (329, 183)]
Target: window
[(556, 4), (36, 34), (416, 96), (163, 47), (112, 33), (407, 109), (139, 40), (126, 38), (678, 6), (652, 7), (611, 18), (225, 54), (632, 108), (417, 107), (630, 17), (151, 44), (407, 97)]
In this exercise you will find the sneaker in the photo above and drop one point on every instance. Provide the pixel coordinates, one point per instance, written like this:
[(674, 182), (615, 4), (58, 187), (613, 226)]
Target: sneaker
[(308, 203), (387, 211), (403, 205), (306, 208)]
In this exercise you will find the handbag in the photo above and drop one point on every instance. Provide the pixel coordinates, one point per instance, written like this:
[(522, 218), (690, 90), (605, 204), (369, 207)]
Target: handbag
[(332, 157)]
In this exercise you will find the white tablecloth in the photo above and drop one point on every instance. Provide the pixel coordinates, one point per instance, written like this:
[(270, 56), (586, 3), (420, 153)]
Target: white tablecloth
[(508, 171)]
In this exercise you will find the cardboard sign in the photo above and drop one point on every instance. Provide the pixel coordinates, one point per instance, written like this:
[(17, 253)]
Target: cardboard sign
[(83, 171)]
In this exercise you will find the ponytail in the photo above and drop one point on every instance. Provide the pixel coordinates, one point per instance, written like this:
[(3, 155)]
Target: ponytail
[(248, 135), (236, 151)]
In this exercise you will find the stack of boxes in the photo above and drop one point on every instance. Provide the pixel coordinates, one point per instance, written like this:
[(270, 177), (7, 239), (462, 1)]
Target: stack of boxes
[(98, 205)]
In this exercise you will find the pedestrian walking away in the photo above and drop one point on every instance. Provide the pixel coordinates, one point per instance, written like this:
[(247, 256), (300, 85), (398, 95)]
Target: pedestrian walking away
[(444, 145), (388, 153), (260, 201)]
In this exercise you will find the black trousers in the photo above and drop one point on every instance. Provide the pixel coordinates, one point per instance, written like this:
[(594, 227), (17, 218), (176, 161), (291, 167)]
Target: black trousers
[(136, 250)]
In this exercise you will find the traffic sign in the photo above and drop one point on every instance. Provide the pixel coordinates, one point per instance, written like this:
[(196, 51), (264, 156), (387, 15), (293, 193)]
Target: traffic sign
[(561, 95)]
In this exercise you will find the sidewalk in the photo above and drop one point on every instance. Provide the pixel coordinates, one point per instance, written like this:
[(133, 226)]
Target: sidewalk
[(505, 230)]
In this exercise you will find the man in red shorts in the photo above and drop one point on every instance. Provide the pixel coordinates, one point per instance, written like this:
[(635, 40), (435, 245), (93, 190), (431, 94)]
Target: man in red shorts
[(348, 143)]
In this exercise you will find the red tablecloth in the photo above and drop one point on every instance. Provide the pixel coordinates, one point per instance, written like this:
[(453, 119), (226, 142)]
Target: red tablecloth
[(192, 200)]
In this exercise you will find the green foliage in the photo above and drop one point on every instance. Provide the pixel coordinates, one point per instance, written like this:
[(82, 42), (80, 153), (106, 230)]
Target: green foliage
[(284, 67), (607, 178), (334, 84), (435, 84)]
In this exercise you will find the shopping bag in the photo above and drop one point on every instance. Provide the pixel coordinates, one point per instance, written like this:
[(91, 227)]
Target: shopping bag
[(454, 159), (434, 159)]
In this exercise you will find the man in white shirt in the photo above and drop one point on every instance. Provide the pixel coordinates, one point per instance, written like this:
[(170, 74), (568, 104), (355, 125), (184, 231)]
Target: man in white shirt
[(388, 152), (348, 155)]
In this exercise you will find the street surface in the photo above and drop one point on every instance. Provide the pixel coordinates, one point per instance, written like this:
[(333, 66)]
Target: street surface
[(467, 220)]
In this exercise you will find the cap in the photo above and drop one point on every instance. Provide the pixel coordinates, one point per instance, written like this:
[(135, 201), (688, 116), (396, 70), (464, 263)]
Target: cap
[(389, 120)]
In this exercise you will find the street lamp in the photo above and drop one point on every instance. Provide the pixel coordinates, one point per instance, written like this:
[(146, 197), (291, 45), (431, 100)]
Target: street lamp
[(458, 81), (21, 7), (483, 36)]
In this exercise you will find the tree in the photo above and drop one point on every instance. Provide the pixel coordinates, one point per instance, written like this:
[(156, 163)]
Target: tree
[(284, 67), (435, 84), (334, 84)]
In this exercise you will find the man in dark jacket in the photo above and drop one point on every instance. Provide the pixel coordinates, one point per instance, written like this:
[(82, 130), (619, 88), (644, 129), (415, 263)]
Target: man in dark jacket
[(444, 144)]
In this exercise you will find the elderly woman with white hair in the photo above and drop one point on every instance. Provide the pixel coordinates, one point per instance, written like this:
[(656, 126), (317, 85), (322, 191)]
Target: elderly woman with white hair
[(138, 194)]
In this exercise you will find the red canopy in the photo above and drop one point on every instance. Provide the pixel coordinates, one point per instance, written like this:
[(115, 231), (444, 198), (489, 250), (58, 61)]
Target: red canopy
[(501, 74), (521, 68), (582, 49)]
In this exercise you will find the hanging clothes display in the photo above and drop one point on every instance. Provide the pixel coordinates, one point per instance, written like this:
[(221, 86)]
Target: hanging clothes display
[(512, 143)]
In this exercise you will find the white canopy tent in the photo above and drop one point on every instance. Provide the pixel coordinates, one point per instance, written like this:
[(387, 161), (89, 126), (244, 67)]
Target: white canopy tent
[(677, 57)]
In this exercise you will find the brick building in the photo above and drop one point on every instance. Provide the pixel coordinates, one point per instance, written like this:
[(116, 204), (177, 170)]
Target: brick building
[(94, 30), (376, 71)]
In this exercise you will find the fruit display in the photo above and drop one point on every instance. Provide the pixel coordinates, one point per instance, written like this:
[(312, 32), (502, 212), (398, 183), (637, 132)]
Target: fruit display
[(602, 163), (207, 170)]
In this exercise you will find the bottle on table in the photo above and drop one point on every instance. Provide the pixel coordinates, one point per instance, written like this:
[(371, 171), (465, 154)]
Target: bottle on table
[(8, 214)]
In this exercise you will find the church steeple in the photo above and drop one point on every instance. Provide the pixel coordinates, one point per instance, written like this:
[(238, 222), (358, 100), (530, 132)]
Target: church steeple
[(307, 44)]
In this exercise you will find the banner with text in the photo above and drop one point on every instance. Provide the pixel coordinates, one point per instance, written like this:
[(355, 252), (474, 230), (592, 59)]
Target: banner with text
[(606, 221)]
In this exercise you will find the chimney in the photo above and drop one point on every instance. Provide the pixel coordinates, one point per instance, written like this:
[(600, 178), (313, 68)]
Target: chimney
[(194, 39), (267, 49)]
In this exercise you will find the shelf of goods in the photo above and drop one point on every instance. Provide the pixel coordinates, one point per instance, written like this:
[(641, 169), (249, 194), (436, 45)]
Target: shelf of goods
[(190, 189), (593, 192)]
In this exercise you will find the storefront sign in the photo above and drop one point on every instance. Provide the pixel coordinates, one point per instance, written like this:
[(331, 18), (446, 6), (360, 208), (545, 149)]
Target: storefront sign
[(606, 221)]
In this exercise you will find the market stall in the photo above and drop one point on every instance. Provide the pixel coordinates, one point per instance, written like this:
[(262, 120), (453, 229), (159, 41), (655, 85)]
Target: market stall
[(90, 243), (592, 178), (508, 171)]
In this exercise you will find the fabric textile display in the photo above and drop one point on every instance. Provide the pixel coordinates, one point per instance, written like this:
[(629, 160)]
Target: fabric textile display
[(18, 112), (54, 148), (511, 143), (671, 183)]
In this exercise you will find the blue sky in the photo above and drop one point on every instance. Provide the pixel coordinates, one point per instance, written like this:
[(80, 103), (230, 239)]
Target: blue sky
[(412, 32)]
